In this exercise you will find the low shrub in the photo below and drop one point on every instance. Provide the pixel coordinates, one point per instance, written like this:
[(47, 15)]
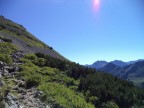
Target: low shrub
[(49, 71), (30, 56), (30, 73), (62, 97), (39, 62), (6, 58), (7, 48), (40, 55), (109, 105)]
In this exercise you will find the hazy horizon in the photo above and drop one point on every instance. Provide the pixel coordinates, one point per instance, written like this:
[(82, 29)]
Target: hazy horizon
[(83, 31)]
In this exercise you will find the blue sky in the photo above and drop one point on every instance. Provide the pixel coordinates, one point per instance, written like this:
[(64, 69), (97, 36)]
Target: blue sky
[(79, 31)]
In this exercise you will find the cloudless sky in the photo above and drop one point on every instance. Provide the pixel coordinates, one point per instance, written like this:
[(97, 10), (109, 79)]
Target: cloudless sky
[(83, 30)]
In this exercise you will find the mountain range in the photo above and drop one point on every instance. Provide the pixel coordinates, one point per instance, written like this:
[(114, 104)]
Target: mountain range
[(131, 71), (102, 63)]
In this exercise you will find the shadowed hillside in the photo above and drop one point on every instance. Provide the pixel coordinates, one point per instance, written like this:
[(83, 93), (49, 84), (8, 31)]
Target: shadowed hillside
[(133, 72)]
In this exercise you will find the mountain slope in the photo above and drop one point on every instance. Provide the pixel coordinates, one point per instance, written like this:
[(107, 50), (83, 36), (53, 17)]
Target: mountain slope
[(24, 40), (133, 72), (111, 68), (132, 62)]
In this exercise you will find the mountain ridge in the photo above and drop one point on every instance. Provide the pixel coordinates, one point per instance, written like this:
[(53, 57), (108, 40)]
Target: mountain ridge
[(99, 64), (25, 40)]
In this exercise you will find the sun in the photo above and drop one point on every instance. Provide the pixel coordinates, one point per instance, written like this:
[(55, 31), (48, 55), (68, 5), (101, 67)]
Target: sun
[(96, 5)]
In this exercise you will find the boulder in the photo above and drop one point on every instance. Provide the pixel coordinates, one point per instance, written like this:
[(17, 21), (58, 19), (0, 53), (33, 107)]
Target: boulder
[(11, 101), (38, 93)]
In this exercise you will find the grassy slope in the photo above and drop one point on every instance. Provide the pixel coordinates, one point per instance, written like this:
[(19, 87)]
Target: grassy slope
[(59, 89)]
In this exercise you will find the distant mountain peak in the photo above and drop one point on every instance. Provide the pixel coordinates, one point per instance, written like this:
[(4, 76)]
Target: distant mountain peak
[(98, 64)]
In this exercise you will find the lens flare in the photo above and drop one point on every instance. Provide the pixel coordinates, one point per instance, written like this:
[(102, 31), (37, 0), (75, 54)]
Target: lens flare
[(96, 5)]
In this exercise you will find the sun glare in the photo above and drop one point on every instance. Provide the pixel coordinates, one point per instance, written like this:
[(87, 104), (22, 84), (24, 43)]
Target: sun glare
[(96, 5)]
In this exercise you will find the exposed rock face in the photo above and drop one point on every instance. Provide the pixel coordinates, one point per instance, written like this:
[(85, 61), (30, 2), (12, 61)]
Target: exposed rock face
[(25, 98)]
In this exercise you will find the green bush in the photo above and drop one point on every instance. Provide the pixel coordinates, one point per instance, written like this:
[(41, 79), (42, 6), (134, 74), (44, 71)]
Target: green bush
[(33, 80), (40, 55), (34, 59), (109, 105), (6, 58), (63, 79), (49, 71), (62, 96), (30, 73), (30, 56), (7, 48), (39, 62)]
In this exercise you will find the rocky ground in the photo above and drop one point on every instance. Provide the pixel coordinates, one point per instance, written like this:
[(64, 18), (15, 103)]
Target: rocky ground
[(16, 95)]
